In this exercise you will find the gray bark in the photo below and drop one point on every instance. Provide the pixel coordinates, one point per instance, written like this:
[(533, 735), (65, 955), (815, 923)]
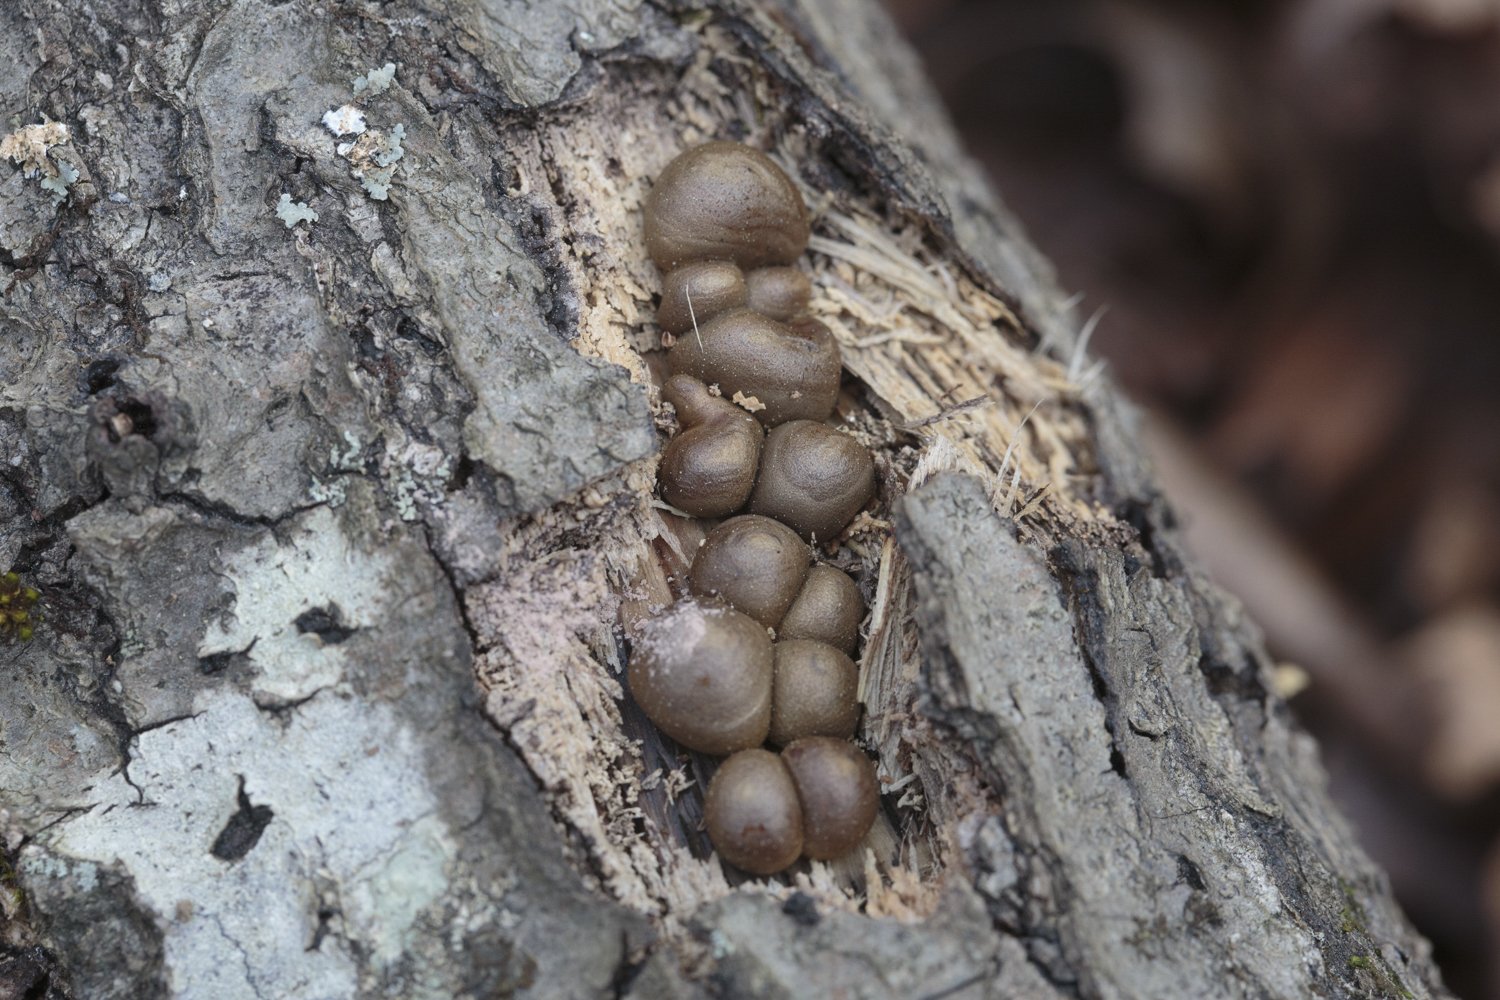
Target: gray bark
[(288, 491)]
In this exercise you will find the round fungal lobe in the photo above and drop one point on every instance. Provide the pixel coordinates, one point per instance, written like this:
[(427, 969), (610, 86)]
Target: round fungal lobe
[(695, 293), (815, 692), (829, 609), (725, 201), (837, 788), (813, 478), (753, 814), (778, 292), (708, 468), (791, 369), (703, 675), (754, 565)]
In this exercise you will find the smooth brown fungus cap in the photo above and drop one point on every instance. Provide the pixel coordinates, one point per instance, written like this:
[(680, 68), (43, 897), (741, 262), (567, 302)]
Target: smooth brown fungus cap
[(753, 815), (792, 370), (725, 201), (698, 292), (829, 609), (839, 795), (754, 565), (703, 675), (813, 478), (708, 468), (778, 292), (815, 693)]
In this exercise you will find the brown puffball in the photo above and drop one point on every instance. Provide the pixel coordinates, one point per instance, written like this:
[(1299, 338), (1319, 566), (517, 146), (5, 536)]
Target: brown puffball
[(708, 468), (724, 201), (703, 674), (699, 291), (828, 609), (839, 795), (791, 369), (813, 478), (753, 815), (777, 292), (754, 565), (815, 693)]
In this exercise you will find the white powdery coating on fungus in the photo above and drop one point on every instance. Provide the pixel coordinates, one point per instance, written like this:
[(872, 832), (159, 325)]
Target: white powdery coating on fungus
[(681, 627)]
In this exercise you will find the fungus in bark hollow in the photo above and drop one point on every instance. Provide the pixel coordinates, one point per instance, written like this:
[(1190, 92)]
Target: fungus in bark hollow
[(753, 564), (829, 609), (708, 469), (791, 368), (724, 225), (814, 693), (703, 675), (813, 478), (725, 201)]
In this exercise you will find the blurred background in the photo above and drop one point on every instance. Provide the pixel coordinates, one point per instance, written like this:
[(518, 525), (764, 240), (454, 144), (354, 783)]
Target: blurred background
[(1286, 218)]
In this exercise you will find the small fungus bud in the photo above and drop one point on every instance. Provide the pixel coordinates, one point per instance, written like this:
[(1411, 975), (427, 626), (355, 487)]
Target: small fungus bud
[(792, 369), (815, 692), (698, 292), (778, 292), (813, 478), (703, 675), (708, 468), (838, 792), (754, 565), (753, 814), (828, 609), (724, 201)]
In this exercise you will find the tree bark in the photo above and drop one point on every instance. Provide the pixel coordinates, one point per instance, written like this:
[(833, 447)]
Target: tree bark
[(289, 485)]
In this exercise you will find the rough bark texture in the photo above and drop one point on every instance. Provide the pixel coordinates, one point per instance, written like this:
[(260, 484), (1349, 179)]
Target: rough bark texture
[(288, 490)]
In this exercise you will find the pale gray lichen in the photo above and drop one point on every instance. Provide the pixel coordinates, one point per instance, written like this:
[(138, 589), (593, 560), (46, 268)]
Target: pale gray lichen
[(335, 491), (293, 212), (59, 183), (323, 744), (374, 154), (418, 474), (377, 81), (375, 157), (390, 150)]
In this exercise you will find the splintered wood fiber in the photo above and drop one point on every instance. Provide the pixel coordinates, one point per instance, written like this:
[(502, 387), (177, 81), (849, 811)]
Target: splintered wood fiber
[(944, 377)]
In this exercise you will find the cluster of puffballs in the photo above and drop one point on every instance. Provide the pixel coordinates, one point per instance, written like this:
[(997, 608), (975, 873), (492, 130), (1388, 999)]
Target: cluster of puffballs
[(753, 379)]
